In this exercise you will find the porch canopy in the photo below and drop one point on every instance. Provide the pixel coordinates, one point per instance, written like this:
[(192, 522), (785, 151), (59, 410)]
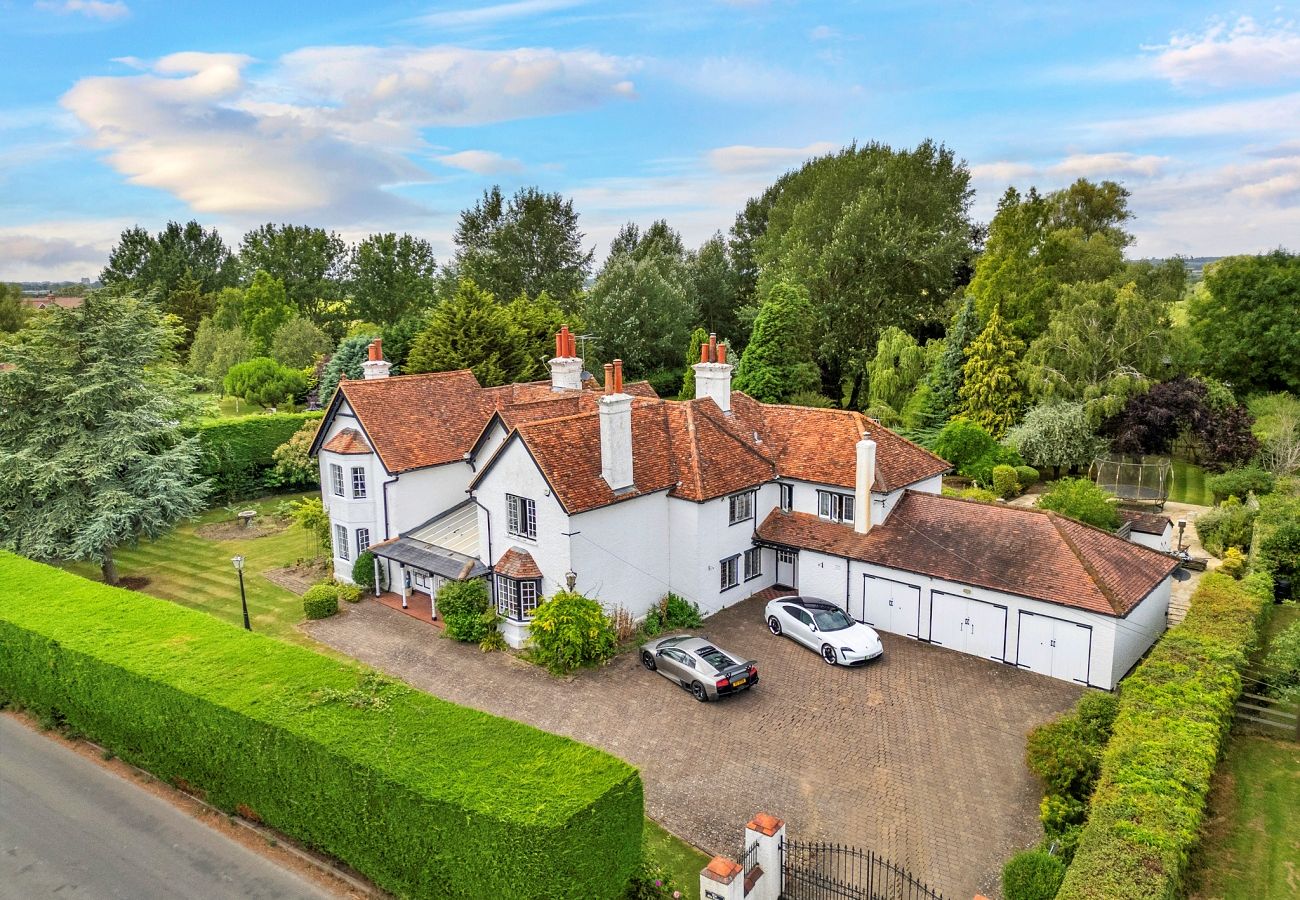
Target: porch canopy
[(441, 546)]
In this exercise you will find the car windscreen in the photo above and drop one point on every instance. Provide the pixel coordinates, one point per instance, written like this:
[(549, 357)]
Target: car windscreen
[(832, 619), (715, 657)]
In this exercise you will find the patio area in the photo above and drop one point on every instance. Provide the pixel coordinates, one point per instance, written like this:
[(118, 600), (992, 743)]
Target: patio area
[(418, 606)]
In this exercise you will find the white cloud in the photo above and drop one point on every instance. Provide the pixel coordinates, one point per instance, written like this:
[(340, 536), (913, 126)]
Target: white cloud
[(743, 158), (327, 129), (1277, 117), (1107, 165), (481, 162), (53, 250), (473, 17), (823, 33), (105, 10), (735, 79), (1001, 171), (1244, 53)]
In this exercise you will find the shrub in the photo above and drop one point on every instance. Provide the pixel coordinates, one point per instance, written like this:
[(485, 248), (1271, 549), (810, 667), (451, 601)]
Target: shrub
[(1006, 483), (1027, 476), (962, 442), (348, 593), (1279, 552), (813, 399), (1175, 711), (666, 382), (1234, 563), (1230, 524), (239, 454), (570, 631), (321, 600), (291, 734), (1283, 663), (1080, 499), (1062, 754), (1059, 813), (1032, 875), (1240, 482), (981, 469), (1096, 711), (363, 572), (492, 639), (681, 613), (265, 382), (462, 605)]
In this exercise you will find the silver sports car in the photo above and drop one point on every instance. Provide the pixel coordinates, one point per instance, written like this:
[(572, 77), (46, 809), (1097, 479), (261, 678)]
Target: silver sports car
[(706, 671)]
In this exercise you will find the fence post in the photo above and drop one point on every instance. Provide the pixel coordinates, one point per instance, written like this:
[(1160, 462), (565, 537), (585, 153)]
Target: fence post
[(722, 879), (768, 832)]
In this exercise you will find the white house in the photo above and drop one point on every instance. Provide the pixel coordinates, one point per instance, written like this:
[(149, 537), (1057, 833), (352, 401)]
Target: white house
[(628, 497)]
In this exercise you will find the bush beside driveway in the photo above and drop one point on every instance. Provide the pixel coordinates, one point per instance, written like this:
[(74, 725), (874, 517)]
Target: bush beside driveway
[(919, 757)]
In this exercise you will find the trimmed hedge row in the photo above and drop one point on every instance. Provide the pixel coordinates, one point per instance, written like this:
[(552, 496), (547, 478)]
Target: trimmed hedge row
[(426, 798), (237, 452), (1174, 714)]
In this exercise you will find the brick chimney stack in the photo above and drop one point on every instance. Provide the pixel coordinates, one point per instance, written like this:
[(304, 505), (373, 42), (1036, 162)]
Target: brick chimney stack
[(376, 366), (566, 367), (615, 430), (713, 374)]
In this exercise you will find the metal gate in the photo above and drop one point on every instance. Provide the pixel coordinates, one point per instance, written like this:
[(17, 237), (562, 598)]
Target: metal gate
[(822, 871)]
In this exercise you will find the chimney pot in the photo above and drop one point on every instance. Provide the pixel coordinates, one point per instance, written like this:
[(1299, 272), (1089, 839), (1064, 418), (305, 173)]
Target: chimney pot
[(722, 353), (713, 347), (704, 353), (618, 376), (609, 378)]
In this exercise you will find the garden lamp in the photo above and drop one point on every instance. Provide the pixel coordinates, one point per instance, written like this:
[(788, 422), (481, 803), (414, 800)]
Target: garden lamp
[(238, 563), (1182, 525)]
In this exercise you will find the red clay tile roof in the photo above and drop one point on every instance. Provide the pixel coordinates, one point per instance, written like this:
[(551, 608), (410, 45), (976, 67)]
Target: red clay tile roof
[(516, 563), (1027, 552), (349, 440)]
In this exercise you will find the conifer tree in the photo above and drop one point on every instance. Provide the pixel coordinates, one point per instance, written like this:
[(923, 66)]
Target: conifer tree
[(91, 456), (992, 391), (699, 337), (778, 362), (469, 330)]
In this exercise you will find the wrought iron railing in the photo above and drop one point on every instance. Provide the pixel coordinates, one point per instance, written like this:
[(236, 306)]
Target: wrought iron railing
[(826, 871)]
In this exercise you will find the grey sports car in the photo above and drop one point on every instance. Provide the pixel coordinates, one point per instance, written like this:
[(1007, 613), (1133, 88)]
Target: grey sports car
[(708, 672)]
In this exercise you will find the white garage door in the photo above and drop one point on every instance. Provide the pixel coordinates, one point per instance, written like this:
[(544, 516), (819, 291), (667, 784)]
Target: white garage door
[(889, 606), (1054, 647), (969, 625)]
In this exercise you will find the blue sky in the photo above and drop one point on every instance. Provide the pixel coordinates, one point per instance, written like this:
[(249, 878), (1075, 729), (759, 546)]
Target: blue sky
[(394, 116)]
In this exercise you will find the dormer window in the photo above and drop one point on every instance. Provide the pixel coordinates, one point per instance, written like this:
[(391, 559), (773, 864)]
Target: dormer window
[(740, 508), (835, 507), (787, 496)]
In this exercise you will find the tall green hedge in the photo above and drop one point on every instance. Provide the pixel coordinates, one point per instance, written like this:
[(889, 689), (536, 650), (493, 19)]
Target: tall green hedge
[(237, 452), (1174, 715), (426, 798)]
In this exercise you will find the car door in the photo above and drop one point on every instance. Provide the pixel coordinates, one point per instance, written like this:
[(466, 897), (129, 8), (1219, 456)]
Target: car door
[(683, 668), (669, 663), (801, 625)]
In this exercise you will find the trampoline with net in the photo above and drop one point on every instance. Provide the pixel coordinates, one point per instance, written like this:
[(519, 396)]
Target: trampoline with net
[(1134, 479)]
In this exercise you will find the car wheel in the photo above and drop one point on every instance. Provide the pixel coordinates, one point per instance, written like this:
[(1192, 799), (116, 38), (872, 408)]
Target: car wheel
[(700, 693), (647, 660), (828, 654), (774, 625)]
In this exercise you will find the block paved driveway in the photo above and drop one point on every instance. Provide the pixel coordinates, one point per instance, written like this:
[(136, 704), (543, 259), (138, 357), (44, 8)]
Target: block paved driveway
[(918, 756)]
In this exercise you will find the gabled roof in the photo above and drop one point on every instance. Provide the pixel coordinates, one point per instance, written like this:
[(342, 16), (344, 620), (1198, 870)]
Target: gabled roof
[(1028, 552), (347, 441)]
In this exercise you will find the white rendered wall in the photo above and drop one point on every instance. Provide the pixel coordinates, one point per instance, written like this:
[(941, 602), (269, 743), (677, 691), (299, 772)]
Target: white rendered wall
[(352, 514), (622, 553), (1140, 629)]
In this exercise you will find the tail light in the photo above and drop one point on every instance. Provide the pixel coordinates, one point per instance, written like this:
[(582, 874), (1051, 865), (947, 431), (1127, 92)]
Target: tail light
[(753, 670), (722, 682)]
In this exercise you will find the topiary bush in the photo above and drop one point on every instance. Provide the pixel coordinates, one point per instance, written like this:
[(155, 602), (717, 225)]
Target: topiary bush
[(321, 600), (363, 572), (462, 605), (306, 742), (1083, 501), (570, 631), (1027, 476), (1240, 482), (1006, 483), (981, 469), (348, 593), (1032, 875)]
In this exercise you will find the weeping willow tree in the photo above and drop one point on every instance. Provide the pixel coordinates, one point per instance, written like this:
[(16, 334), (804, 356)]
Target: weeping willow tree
[(893, 375)]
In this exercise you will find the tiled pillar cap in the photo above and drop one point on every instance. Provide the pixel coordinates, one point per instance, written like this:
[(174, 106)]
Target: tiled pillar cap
[(766, 824), (722, 870)]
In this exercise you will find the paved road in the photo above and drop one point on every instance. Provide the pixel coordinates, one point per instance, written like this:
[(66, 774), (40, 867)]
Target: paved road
[(919, 756), (69, 828)]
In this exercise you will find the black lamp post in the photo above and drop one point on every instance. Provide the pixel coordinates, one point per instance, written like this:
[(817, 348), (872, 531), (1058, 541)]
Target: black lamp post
[(1182, 525), (238, 563)]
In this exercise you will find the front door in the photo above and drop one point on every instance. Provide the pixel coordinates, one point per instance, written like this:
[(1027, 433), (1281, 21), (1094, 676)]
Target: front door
[(787, 561)]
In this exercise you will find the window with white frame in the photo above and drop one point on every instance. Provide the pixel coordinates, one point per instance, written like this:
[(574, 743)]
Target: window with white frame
[(363, 540), (358, 483), (787, 496), (730, 572), (753, 563), (740, 508), (341, 542), (336, 479), (517, 597), (835, 507), (521, 516)]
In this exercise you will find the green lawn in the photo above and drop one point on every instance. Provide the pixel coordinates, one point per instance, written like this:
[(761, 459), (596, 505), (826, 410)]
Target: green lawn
[(670, 854), (1189, 484), (1252, 850), (197, 572)]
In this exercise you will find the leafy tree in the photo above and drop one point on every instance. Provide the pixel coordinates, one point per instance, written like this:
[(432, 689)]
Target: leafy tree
[(1150, 423), (1248, 321), (294, 464), (641, 310), (298, 343), (529, 244), (310, 515), (470, 330), (392, 277), (345, 363), (13, 313), (264, 382), (715, 287), (893, 375), (992, 391), (228, 308), (699, 337), (535, 323), (1277, 427), (266, 307), (876, 236), (310, 262), (659, 239), (215, 350), (779, 360), (91, 458), (1056, 435), (1080, 499)]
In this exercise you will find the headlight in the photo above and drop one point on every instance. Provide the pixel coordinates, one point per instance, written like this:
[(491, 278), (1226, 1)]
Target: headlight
[(848, 650)]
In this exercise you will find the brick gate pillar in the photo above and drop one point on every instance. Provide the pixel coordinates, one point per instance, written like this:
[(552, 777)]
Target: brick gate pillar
[(768, 832), (722, 879)]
